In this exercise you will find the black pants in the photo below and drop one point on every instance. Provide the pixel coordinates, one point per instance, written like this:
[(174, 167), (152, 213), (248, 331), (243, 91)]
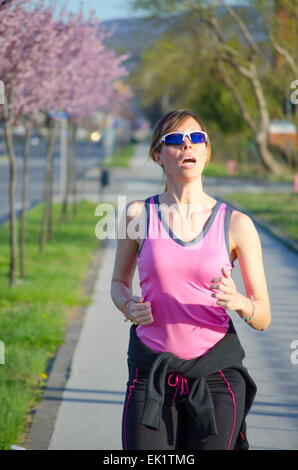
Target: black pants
[(177, 429)]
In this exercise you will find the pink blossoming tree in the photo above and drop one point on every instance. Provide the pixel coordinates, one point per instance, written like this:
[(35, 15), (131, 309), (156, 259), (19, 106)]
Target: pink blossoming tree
[(50, 65)]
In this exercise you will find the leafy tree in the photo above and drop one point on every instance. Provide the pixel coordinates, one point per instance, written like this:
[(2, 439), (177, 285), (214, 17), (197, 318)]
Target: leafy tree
[(243, 65), (50, 65)]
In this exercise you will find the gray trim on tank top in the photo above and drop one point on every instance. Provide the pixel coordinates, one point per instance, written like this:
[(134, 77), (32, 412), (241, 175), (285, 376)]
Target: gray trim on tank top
[(203, 232), (147, 207), (228, 213), (205, 229)]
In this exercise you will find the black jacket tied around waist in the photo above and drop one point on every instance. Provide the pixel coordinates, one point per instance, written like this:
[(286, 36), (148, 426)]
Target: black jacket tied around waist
[(227, 353)]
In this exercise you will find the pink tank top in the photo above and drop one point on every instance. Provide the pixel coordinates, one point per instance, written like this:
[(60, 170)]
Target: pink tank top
[(175, 277)]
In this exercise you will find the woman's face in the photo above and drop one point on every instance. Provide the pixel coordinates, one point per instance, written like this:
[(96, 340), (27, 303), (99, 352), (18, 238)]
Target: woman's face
[(172, 157)]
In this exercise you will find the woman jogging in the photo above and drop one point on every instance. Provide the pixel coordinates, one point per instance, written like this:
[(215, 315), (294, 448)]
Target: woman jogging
[(187, 387)]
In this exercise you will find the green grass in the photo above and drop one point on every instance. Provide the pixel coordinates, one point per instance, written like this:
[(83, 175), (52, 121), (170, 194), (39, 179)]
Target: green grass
[(215, 169), (122, 157), (36, 311), (245, 170), (279, 209)]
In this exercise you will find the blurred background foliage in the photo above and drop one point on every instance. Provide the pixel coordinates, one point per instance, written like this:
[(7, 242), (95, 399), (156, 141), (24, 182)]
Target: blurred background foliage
[(180, 70)]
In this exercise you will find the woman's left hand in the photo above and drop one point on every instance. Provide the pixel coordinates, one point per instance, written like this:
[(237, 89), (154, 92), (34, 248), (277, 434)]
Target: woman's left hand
[(228, 297)]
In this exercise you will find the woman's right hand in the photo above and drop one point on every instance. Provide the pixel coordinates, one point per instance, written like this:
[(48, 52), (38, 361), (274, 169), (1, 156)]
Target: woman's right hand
[(139, 311)]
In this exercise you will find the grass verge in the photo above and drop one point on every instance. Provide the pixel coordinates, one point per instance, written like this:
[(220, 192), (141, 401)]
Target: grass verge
[(279, 209), (36, 311), (245, 170)]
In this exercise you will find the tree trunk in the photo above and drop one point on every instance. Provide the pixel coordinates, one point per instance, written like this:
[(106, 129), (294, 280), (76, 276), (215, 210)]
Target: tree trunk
[(47, 194), (12, 194), (264, 119), (267, 158), (22, 237), (64, 208), (73, 172), (250, 72), (51, 183)]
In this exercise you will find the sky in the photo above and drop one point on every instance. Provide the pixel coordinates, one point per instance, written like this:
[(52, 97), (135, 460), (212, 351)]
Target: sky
[(105, 9), (111, 9)]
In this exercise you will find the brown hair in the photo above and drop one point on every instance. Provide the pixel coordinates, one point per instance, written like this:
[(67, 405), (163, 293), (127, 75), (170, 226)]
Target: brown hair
[(168, 123)]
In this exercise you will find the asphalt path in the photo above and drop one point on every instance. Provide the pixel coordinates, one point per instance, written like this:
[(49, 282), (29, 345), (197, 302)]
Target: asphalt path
[(88, 155)]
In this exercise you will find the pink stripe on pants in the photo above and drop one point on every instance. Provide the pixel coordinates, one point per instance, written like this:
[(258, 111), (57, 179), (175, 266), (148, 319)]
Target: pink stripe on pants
[(126, 408), (234, 406)]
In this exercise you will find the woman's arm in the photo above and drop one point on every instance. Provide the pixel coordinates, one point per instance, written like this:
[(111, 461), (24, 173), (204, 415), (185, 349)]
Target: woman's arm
[(249, 253), (246, 243), (124, 268)]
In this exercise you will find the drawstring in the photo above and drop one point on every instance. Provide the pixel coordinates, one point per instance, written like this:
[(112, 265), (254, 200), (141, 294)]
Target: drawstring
[(180, 382)]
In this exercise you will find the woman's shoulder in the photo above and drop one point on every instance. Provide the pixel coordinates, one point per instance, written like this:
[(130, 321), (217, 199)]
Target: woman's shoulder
[(135, 208), (239, 218), (242, 225)]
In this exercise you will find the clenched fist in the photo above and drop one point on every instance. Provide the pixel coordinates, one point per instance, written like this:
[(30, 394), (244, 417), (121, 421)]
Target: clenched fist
[(139, 311)]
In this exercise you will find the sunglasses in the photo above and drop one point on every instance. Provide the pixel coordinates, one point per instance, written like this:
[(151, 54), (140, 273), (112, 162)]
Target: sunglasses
[(176, 138)]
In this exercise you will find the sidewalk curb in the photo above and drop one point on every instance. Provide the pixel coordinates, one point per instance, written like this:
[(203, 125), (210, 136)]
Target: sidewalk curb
[(275, 232), (39, 432)]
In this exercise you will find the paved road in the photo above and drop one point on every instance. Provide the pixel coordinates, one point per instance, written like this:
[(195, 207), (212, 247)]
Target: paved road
[(85, 413), (87, 156)]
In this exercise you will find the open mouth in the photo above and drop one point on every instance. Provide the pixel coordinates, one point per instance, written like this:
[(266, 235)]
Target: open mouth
[(188, 161)]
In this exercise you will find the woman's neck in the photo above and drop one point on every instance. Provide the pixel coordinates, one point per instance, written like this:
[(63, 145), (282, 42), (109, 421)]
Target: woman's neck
[(188, 204), (191, 195)]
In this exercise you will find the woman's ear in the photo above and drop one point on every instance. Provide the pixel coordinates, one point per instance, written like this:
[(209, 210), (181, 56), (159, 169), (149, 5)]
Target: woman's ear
[(156, 158)]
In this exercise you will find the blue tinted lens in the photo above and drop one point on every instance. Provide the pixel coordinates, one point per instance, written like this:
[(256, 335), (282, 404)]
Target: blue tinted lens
[(174, 139), (197, 137), (177, 138)]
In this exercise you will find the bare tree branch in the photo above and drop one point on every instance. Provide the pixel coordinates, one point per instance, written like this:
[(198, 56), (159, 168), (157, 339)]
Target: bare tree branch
[(235, 92), (286, 54), (231, 53), (243, 28), (242, 70)]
